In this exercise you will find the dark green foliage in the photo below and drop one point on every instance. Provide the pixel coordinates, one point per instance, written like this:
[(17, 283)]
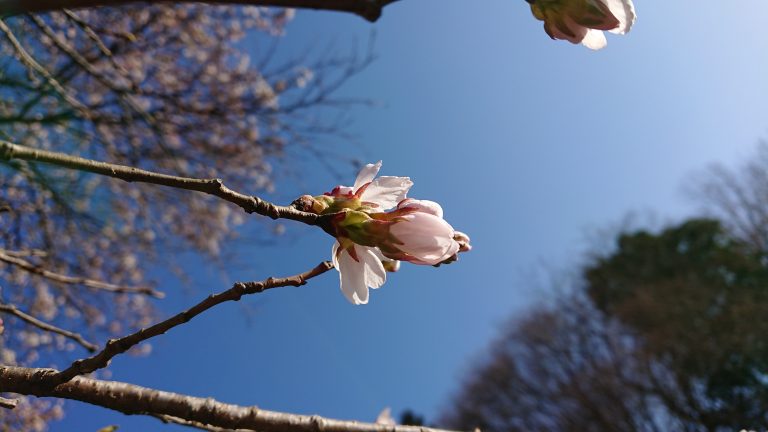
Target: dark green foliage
[(697, 300)]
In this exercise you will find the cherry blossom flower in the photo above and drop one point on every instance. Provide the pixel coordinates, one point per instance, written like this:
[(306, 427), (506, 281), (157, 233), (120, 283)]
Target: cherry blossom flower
[(583, 21), (376, 227)]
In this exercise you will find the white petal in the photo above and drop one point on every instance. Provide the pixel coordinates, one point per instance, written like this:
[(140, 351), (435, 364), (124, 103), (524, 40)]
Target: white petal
[(375, 275), (424, 206), (594, 40), (352, 278), (624, 11), (387, 191), (379, 255), (367, 174), (334, 252)]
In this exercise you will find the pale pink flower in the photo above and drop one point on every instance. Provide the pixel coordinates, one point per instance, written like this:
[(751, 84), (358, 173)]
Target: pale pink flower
[(583, 21), (371, 241)]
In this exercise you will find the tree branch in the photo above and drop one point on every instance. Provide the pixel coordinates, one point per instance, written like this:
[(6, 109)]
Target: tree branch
[(15, 311), (33, 65), (123, 344), (133, 399), (193, 424), (72, 280), (215, 187), (367, 9)]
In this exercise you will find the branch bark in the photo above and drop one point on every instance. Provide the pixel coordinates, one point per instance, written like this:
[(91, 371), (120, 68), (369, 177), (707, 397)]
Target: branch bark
[(133, 399), (123, 344), (215, 187), (368, 9)]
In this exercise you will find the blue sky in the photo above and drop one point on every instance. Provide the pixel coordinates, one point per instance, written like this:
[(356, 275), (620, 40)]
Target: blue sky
[(527, 143)]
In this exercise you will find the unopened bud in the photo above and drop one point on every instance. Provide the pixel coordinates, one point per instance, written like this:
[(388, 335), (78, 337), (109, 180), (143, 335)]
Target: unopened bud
[(308, 203)]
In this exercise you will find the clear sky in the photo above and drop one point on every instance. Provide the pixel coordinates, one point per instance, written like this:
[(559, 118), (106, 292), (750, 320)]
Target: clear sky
[(527, 143)]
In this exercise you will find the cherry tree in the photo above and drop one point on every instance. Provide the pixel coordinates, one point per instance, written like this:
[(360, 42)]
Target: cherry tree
[(103, 166)]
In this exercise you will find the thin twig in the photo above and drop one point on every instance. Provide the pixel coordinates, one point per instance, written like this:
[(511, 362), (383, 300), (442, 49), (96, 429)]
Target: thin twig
[(215, 187), (89, 69), (25, 253), (133, 399), (73, 280), (101, 45), (15, 311), (32, 64), (123, 344)]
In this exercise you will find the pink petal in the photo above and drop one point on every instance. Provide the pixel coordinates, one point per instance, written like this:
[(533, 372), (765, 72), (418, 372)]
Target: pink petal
[(424, 206), (426, 237)]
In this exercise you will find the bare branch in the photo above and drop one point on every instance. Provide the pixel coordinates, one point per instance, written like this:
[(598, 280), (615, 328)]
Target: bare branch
[(133, 399), (215, 187), (90, 283), (239, 289), (32, 64), (367, 9), (15, 311), (106, 51)]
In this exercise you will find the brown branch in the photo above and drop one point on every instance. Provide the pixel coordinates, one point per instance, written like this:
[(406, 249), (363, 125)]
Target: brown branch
[(367, 9), (133, 399), (8, 403), (73, 280), (25, 253), (15, 311), (93, 36), (193, 424), (215, 187), (33, 65), (123, 344)]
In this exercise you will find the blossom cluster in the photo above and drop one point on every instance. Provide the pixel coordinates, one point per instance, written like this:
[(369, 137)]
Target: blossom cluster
[(376, 227)]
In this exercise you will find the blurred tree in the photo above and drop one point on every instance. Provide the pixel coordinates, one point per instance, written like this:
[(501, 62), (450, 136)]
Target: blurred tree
[(738, 197), (692, 295), (663, 334), (163, 87)]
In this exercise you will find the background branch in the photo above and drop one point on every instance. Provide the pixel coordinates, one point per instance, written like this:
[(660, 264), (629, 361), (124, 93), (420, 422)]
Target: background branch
[(133, 399), (119, 346), (73, 280), (368, 9), (251, 204), (13, 310)]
